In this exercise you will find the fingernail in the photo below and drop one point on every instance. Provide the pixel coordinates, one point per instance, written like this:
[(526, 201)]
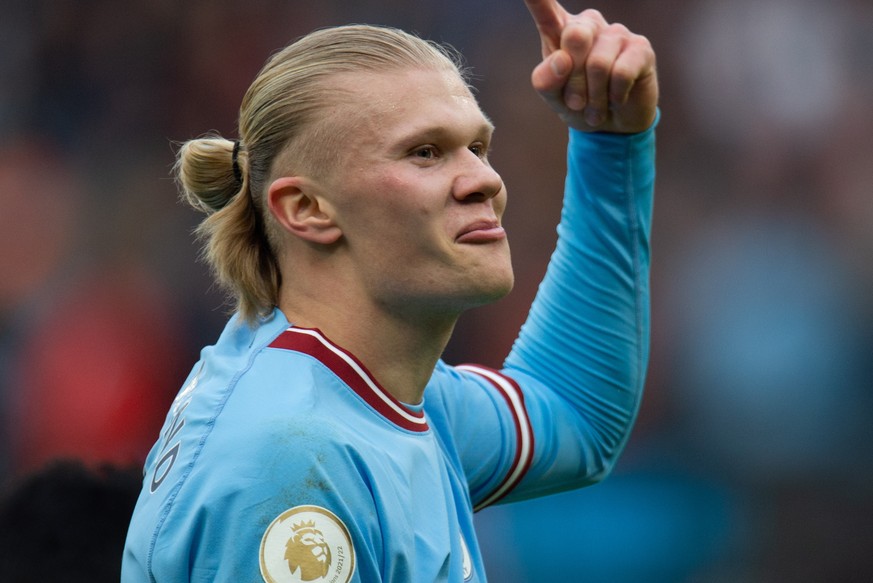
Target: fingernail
[(558, 68), (574, 101), (593, 117)]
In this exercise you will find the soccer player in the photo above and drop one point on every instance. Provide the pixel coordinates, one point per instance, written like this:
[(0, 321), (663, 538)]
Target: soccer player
[(322, 438)]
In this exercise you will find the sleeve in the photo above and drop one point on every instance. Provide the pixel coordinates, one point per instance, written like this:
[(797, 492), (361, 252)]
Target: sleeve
[(573, 380), (277, 507)]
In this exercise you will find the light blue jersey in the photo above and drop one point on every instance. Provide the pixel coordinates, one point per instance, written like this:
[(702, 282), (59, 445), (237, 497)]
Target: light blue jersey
[(283, 459)]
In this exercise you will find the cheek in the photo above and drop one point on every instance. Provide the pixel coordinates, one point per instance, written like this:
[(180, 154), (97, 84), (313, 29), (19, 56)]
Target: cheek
[(394, 206), (403, 204)]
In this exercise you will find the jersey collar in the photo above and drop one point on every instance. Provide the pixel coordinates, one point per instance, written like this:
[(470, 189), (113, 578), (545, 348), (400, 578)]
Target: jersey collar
[(353, 373)]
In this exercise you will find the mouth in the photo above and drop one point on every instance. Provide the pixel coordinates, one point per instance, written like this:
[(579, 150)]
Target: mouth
[(486, 231)]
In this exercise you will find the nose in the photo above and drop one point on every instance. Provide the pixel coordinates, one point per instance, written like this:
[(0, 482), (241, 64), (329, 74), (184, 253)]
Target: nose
[(476, 180)]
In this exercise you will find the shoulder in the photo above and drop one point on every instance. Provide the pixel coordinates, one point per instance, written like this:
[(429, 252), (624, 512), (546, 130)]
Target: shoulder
[(471, 395), (248, 496), (464, 382)]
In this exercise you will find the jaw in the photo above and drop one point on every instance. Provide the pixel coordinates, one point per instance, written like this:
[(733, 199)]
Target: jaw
[(445, 295), (484, 276)]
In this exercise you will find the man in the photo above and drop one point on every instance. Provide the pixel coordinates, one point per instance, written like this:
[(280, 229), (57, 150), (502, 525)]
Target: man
[(322, 438)]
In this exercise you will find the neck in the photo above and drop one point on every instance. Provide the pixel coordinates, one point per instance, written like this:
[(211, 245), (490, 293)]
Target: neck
[(399, 349)]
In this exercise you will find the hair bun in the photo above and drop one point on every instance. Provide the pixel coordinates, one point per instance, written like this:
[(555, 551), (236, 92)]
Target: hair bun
[(208, 172)]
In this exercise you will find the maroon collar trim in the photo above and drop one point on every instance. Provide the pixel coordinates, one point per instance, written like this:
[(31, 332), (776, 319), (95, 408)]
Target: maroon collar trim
[(352, 372)]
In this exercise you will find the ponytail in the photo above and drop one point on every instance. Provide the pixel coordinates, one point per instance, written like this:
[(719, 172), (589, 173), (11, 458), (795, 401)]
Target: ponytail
[(212, 180)]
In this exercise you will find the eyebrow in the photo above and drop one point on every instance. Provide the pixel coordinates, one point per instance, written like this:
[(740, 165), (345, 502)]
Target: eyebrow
[(439, 132)]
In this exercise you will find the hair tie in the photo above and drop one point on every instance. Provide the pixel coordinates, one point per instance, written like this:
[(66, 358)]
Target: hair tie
[(237, 173)]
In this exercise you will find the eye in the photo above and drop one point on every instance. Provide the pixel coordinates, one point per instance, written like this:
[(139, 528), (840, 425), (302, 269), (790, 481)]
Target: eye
[(479, 149), (425, 153)]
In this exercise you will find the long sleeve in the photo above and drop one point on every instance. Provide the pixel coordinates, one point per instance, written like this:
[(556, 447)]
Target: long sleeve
[(582, 354)]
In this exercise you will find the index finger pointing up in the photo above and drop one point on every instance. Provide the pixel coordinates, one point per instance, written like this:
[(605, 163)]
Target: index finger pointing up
[(550, 18)]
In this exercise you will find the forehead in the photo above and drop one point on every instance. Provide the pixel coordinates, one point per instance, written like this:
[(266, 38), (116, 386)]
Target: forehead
[(383, 107)]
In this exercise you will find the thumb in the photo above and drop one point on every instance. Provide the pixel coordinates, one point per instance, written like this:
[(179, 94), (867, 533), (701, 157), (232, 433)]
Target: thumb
[(550, 76)]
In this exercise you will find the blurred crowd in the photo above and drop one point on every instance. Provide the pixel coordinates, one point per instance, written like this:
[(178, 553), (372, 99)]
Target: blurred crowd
[(750, 461)]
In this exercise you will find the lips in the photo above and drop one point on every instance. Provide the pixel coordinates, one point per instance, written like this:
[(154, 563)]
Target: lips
[(484, 231)]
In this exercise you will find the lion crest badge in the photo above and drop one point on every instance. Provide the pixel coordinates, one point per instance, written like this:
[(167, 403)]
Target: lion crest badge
[(307, 544)]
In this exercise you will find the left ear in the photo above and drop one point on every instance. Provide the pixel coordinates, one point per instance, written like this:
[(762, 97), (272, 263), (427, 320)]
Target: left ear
[(298, 208)]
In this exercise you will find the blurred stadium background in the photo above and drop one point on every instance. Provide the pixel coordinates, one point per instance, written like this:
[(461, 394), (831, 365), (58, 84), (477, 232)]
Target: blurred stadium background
[(751, 460)]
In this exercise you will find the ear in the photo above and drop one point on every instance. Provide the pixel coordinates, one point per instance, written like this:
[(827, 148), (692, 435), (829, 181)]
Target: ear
[(301, 211)]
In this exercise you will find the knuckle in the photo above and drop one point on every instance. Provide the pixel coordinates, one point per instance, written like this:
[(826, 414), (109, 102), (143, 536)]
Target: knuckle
[(598, 67), (578, 36), (593, 14), (618, 29), (641, 42), (623, 71)]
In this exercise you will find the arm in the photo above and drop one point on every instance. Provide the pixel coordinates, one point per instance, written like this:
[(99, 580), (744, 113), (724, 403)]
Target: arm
[(581, 357), (571, 386), (582, 354), (235, 517)]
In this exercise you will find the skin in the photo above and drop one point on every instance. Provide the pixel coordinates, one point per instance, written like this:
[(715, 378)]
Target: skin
[(402, 233), (595, 75)]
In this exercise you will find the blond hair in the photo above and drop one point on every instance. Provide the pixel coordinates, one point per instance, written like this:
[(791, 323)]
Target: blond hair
[(283, 108)]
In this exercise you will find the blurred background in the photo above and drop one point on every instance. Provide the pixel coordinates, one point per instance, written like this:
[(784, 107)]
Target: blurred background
[(750, 461)]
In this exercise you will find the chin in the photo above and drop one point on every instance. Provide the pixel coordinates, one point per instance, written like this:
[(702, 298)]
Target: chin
[(491, 290)]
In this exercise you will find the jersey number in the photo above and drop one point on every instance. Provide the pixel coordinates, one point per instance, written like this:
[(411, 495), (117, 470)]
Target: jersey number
[(168, 456)]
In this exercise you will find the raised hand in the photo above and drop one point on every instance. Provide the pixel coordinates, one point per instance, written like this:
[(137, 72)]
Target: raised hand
[(595, 75)]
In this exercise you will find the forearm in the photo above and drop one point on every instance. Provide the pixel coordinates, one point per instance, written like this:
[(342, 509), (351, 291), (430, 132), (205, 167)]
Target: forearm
[(583, 352)]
